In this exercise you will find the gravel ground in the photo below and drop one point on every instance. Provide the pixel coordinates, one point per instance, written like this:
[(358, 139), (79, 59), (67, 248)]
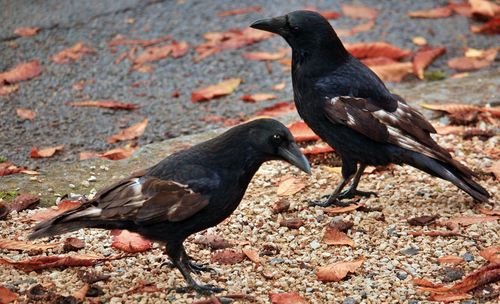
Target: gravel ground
[(97, 22), (392, 256)]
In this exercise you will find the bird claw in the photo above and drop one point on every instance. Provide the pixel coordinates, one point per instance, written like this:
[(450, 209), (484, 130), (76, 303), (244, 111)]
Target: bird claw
[(353, 193), (198, 268), (200, 289), (330, 202)]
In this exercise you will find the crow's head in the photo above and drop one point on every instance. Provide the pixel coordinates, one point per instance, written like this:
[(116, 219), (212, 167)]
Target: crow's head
[(273, 141), (303, 30)]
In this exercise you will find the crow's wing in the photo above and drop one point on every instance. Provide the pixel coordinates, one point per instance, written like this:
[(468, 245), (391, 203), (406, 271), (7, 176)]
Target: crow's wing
[(405, 127)]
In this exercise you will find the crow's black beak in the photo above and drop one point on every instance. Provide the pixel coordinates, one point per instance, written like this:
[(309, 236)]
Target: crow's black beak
[(294, 156), (274, 25)]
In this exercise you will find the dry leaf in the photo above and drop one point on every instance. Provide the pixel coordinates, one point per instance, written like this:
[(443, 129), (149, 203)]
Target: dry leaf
[(301, 132), (293, 223), (374, 61), (140, 42), (484, 9), (25, 246), (363, 50), (6, 295), (8, 89), (45, 152), (424, 283), (143, 287), (108, 104), (394, 72), (337, 271), (154, 53), (240, 11), (317, 148), (129, 133), (129, 241), (471, 220), (491, 27), (489, 211), (363, 27), (461, 8), (54, 211), (227, 256), (7, 168), (21, 72), (73, 54), (424, 57), (26, 114), (451, 297), (119, 153), (438, 12), (213, 241), (73, 244), (450, 259), (277, 109), (446, 130), (359, 11), (252, 254), (334, 236), (26, 31), (82, 292), (25, 201), (223, 88), (491, 254), (337, 210), (495, 169), (286, 298), (279, 86), (422, 220), (258, 97), (43, 262), (473, 60), (289, 186)]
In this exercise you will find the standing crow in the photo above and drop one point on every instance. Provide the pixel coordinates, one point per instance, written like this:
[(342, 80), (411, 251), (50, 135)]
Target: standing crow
[(185, 193), (350, 108)]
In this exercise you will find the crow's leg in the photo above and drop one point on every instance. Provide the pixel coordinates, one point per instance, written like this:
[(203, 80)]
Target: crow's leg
[(180, 260), (348, 171), (195, 267), (352, 190)]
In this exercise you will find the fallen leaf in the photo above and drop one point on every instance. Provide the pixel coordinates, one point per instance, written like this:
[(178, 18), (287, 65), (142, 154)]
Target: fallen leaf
[(258, 97), (434, 233), (461, 8), (301, 132), (129, 241), (363, 27), (489, 211), (334, 236), (21, 72), (424, 57), (6, 295), (293, 223), (265, 56), (43, 262), (458, 113), (81, 293), (422, 220), (438, 12), (26, 31), (340, 225), (491, 27), (73, 54), (363, 50), (286, 298), (25, 246), (143, 287), (227, 257), (480, 60), (471, 220), (452, 297), (277, 109), (240, 11), (450, 259), (337, 210), (8, 89), (358, 12), (394, 72), (25, 201), (154, 53), (419, 40), (484, 9), (279, 86), (73, 244), (213, 241), (223, 88), (495, 169), (446, 130), (425, 283), (108, 104), (491, 254), (26, 114), (54, 211), (289, 186), (140, 42), (374, 61), (118, 153), (317, 148), (45, 152), (129, 133), (8, 168), (252, 254), (337, 271)]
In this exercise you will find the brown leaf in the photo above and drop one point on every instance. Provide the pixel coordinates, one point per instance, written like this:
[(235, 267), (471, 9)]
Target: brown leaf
[(424, 283), (450, 259), (491, 254), (118, 153), (73, 54), (277, 109), (446, 130), (374, 61), (491, 27), (129, 241), (363, 50), (445, 298), (26, 31), (424, 57), (333, 236), (358, 12), (140, 42), (43, 262), (25, 246), (266, 56), (279, 87), (484, 9), (434, 233), (129, 133), (286, 298), (73, 244), (26, 114), (461, 8), (341, 225), (337, 210), (337, 271), (461, 113), (4, 211), (154, 53), (6, 295), (213, 241), (54, 211), (8, 89), (489, 211), (81, 293), (495, 169), (252, 254), (471, 220), (7, 168), (394, 72), (473, 60), (25, 201), (422, 220), (143, 287), (293, 223), (227, 256), (438, 12), (223, 88), (363, 27), (21, 72), (108, 104), (289, 186), (318, 148), (240, 11), (301, 132), (45, 152), (258, 97)]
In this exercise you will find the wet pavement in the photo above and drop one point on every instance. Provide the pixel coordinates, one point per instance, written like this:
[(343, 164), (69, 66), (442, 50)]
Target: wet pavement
[(97, 22)]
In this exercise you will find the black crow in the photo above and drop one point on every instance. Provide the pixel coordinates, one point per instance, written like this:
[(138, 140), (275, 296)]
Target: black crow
[(187, 192), (351, 109)]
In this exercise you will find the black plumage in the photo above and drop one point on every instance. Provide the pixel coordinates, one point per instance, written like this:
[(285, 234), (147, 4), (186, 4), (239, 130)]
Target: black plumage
[(185, 193), (351, 109)]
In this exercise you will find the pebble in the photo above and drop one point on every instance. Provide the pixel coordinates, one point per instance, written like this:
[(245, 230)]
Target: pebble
[(315, 244), (71, 186), (410, 251), (401, 275), (85, 183), (92, 178), (349, 300), (451, 274), (468, 257)]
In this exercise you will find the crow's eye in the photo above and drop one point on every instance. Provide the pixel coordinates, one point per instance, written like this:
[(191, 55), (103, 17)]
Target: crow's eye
[(277, 138), (295, 28)]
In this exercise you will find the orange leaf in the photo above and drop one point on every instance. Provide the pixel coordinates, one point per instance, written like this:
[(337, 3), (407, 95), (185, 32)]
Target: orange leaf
[(109, 104), (7, 296), (461, 8), (424, 57), (473, 60), (223, 88), (25, 113), (25, 246), (446, 130), (363, 27), (240, 11), (470, 220), (373, 61), (491, 27), (495, 169), (277, 109), (131, 132), (258, 97), (279, 87), (490, 211), (451, 297), (129, 241), (337, 271), (438, 12), (7, 89), (452, 108), (80, 294), (286, 298), (333, 236), (289, 186), (73, 54), (301, 132), (363, 50), (450, 259), (43, 262), (491, 254), (252, 254), (21, 72), (227, 256), (141, 42), (26, 31), (337, 210), (394, 72), (46, 152), (118, 153), (484, 9), (358, 12), (154, 53), (54, 211), (317, 148), (265, 56), (424, 283)]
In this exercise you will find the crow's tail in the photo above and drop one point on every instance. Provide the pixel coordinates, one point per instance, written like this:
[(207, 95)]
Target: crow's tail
[(449, 172)]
